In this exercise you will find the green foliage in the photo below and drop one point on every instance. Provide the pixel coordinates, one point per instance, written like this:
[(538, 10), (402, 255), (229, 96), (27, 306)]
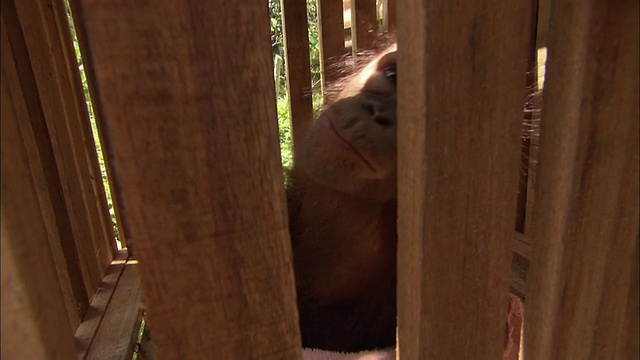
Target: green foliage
[(284, 127), (314, 46), (277, 45), (94, 128)]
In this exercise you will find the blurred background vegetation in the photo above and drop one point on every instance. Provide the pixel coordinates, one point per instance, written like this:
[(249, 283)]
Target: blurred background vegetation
[(277, 46)]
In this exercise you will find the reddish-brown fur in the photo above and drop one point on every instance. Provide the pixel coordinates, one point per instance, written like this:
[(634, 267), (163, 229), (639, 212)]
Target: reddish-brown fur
[(342, 211), (342, 203)]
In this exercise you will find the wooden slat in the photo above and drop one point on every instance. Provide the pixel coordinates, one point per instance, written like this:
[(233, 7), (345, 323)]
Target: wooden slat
[(80, 126), (118, 332), (522, 245), (536, 123), (18, 75), (296, 42), (519, 270), (98, 113), (188, 116), (532, 158), (331, 37), (462, 68), (88, 328), (53, 60), (544, 11), (364, 25), (46, 76), (35, 324), (528, 121), (391, 16), (629, 344), (585, 227)]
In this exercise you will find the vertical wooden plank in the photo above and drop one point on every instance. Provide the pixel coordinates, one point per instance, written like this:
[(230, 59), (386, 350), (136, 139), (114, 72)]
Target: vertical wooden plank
[(35, 324), (528, 120), (462, 68), (97, 113), (536, 123), (629, 345), (188, 115), (80, 125), (18, 75), (392, 15), (364, 25), (296, 44), (65, 112), (544, 12), (331, 37), (585, 226)]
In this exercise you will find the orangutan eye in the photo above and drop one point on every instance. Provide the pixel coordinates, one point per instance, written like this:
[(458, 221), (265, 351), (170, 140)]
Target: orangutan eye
[(390, 73)]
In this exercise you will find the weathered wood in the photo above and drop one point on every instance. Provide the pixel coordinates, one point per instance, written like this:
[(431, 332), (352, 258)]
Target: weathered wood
[(629, 345), (391, 16), (118, 332), (35, 323), (519, 270), (278, 65), (98, 113), (48, 40), (544, 12), (539, 71), (296, 43), (462, 69), (188, 116), (81, 129), (521, 245), (532, 115), (364, 25), (331, 38), (91, 321), (18, 75), (585, 227), (528, 121), (534, 130)]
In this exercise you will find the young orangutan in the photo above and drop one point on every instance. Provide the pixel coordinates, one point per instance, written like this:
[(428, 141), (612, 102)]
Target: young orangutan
[(342, 209)]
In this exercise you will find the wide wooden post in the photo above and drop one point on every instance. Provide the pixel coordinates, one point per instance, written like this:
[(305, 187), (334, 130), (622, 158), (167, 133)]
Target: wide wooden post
[(583, 284), (35, 322), (189, 119), (461, 85)]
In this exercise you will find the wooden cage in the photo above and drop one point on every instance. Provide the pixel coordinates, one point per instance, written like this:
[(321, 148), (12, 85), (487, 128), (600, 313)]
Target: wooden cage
[(184, 98)]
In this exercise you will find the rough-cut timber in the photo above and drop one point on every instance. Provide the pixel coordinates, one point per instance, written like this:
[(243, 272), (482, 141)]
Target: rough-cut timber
[(100, 302), (583, 285), (331, 41), (35, 322), (461, 84), (391, 16), (364, 25), (188, 115), (120, 325), (296, 42), (52, 58), (19, 76)]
